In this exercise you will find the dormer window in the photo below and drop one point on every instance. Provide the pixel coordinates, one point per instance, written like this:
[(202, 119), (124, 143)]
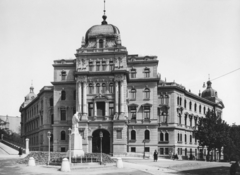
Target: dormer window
[(147, 72), (63, 74), (133, 73)]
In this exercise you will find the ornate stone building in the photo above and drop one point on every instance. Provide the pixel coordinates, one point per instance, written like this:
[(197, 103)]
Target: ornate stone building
[(119, 94)]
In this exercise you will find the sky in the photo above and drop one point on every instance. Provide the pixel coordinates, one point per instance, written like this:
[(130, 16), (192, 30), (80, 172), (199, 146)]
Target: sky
[(191, 38)]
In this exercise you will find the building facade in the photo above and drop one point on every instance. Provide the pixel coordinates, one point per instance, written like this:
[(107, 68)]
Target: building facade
[(118, 94)]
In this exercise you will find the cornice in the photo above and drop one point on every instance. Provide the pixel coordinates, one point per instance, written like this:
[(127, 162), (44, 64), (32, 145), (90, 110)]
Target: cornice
[(63, 82), (143, 80), (64, 65)]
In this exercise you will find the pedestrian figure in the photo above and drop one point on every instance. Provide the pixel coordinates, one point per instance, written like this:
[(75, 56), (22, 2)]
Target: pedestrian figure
[(155, 156), (233, 168), (20, 151)]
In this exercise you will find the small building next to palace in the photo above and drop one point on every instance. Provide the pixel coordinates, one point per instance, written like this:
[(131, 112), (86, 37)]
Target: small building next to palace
[(119, 94)]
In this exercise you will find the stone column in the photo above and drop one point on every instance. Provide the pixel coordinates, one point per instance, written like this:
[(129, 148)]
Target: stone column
[(106, 108), (27, 146), (95, 108), (121, 97), (116, 97), (79, 101), (84, 95), (90, 144)]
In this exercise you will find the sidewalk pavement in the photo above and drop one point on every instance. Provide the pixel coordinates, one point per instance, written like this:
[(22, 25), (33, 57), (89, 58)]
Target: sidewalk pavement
[(150, 169)]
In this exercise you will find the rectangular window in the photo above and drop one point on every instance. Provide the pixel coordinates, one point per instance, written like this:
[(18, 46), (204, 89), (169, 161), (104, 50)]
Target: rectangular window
[(147, 149), (63, 114), (133, 94), (97, 66), (91, 66), (103, 65), (119, 134), (147, 95), (161, 151), (166, 151), (90, 109), (133, 149), (63, 74), (111, 65), (133, 73), (146, 112), (63, 149), (111, 109), (133, 112), (147, 73)]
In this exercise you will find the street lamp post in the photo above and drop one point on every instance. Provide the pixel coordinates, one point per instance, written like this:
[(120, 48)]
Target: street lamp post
[(101, 136), (143, 149), (49, 136), (69, 132)]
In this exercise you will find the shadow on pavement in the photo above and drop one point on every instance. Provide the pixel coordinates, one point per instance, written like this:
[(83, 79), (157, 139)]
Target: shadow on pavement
[(207, 171)]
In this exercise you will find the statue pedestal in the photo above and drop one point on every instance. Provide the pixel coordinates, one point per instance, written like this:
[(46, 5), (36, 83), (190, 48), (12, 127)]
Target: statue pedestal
[(76, 144)]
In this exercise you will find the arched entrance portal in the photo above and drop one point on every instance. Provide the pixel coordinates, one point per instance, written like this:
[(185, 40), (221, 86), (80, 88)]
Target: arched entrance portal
[(105, 141)]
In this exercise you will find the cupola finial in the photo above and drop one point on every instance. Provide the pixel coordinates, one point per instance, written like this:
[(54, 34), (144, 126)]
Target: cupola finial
[(104, 22)]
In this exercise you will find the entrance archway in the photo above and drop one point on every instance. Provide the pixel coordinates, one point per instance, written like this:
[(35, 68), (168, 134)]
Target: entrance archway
[(105, 141)]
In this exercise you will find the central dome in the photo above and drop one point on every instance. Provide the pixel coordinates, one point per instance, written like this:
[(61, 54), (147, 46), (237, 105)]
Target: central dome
[(107, 30)]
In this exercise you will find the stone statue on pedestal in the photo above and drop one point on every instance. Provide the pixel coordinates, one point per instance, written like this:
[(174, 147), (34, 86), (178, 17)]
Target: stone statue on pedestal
[(75, 143)]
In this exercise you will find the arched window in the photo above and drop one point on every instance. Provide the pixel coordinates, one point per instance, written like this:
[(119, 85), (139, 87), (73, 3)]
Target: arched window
[(147, 93), (147, 135), (166, 137), (111, 87), (133, 135), (178, 136), (186, 119), (63, 95), (161, 136), (100, 43), (98, 88), (195, 107), (185, 103), (103, 88), (177, 100), (180, 101), (190, 105), (185, 138), (190, 138), (91, 88), (200, 108), (133, 94), (63, 135)]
